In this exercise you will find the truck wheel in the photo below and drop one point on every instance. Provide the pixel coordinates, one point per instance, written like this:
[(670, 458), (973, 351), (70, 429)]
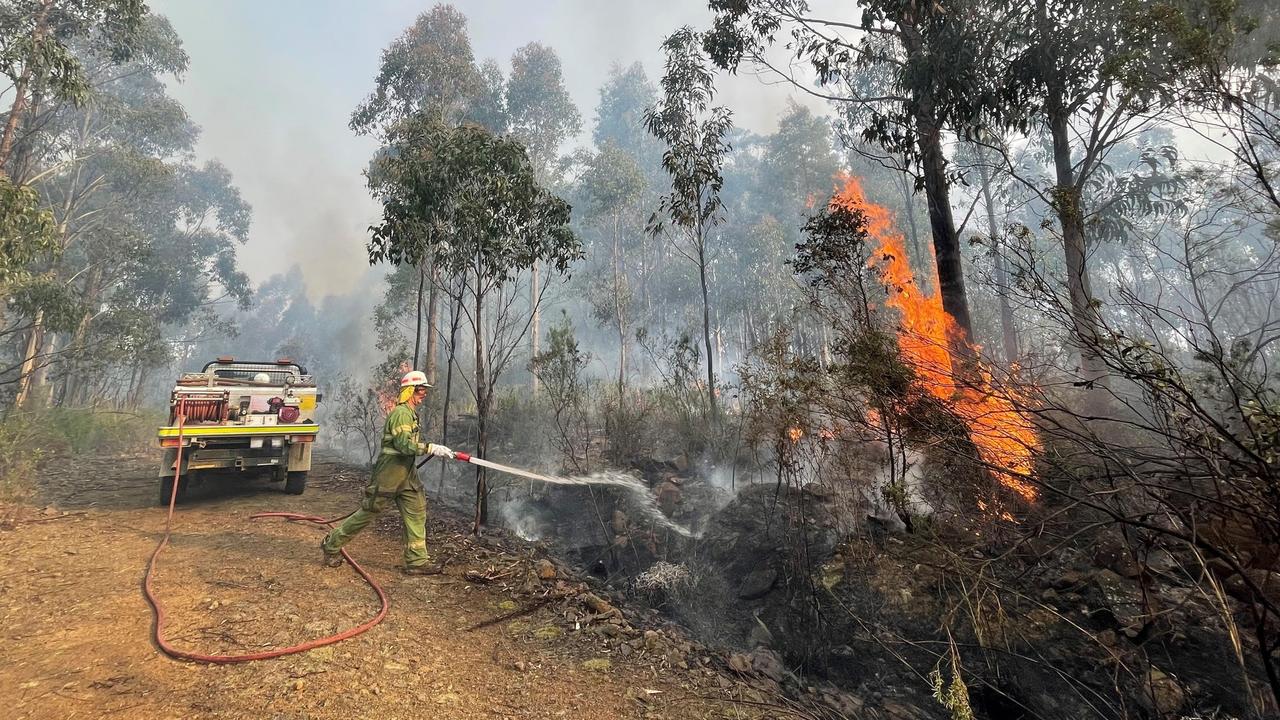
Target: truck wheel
[(295, 483), (166, 489)]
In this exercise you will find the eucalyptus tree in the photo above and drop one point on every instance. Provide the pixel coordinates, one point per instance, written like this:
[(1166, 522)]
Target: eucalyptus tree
[(475, 199), (37, 58), (430, 69), (930, 54), (614, 187), (105, 166), (542, 116), (624, 97), (694, 132)]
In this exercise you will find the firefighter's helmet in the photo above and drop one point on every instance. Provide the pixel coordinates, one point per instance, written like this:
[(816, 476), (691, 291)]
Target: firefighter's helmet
[(414, 378)]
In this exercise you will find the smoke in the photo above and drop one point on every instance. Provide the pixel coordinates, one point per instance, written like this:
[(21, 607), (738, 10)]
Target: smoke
[(519, 517), (907, 482)]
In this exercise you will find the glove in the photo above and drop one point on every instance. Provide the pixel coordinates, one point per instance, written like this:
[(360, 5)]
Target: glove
[(440, 451)]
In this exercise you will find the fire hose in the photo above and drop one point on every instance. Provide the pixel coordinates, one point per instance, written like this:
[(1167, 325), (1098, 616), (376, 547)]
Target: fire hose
[(158, 628)]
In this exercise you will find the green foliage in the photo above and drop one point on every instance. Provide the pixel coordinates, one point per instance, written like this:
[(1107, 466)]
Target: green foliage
[(560, 372), (20, 457), (541, 112), (468, 197), (694, 133), (428, 69), (26, 233)]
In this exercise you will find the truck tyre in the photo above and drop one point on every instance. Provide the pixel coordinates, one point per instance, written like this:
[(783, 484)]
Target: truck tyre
[(295, 483), (166, 489)]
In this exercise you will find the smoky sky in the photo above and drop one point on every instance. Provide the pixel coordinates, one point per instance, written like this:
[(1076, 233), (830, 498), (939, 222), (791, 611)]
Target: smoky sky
[(272, 85)]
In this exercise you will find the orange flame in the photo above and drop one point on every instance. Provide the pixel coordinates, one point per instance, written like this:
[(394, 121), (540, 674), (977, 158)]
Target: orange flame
[(1005, 438), (389, 392)]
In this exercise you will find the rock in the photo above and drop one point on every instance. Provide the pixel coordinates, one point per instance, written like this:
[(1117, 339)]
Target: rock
[(652, 640), (1112, 553), (767, 663), (1267, 582), (625, 650), (740, 663), (1121, 604), (894, 710), (299, 684), (757, 584), (598, 605), (1068, 580), (842, 702), (546, 569), (1162, 695), (669, 497), (818, 491)]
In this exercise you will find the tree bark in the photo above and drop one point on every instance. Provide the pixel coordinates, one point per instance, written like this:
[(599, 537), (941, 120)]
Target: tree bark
[(482, 406), (706, 323), (908, 204), (27, 371), (19, 107), (455, 316), (946, 241), (1068, 200), (1068, 205), (535, 323), (617, 309), (1008, 331), (433, 311), (417, 328)]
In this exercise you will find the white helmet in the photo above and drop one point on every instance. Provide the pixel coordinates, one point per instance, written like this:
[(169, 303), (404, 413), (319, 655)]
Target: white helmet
[(414, 377)]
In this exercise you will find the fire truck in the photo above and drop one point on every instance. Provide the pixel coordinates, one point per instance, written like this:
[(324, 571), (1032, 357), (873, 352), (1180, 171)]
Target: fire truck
[(236, 417)]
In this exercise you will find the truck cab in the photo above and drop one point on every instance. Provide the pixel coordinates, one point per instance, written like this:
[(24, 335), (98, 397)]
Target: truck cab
[(236, 417)]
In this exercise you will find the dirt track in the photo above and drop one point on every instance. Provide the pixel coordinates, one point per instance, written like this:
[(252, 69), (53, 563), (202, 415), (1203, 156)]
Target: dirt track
[(77, 631)]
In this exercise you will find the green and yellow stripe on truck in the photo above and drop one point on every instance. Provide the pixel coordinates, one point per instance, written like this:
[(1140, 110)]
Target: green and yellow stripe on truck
[(189, 431)]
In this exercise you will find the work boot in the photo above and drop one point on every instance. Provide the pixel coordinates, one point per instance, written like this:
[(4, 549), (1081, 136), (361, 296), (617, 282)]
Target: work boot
[(424, 569), (330, 559)]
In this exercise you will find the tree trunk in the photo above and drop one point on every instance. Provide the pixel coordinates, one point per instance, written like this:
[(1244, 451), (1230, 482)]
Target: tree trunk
[(1008, 331), (706, 324), (909, 205), (618, 311), (19, 107), (1068, 200), (946, 241), (534, 323), (455, 316), (482, 407), (433, 311), (27, 371), (417, 328)]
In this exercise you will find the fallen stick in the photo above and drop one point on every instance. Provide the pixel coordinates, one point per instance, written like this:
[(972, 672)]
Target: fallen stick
[(510, 616)]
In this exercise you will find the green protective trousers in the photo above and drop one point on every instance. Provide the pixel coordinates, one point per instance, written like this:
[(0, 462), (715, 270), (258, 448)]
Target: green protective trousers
[(395, 479)]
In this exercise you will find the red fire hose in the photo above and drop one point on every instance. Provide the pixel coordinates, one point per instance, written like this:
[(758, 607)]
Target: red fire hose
[(277, 652)]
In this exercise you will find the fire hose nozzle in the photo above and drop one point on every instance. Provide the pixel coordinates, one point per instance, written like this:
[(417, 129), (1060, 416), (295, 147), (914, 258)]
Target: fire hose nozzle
[(461, 456)]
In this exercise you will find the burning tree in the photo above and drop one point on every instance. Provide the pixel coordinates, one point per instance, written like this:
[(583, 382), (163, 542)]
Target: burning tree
[(474, 195)]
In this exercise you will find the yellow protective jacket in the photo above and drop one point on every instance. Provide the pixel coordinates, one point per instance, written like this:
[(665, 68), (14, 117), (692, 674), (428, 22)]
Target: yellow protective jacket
[(400, 449)]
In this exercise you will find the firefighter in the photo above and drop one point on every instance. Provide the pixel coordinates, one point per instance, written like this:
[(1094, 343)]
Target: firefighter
[(395, 479)]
